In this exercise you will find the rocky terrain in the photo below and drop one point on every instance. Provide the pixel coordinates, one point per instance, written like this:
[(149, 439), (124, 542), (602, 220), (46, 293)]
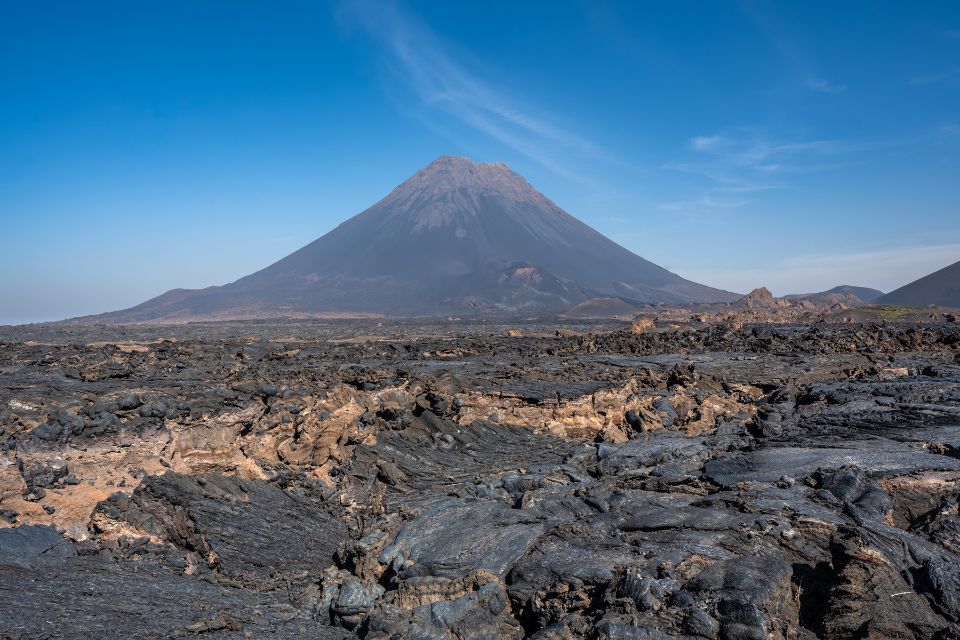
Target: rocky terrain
[(718, 479)]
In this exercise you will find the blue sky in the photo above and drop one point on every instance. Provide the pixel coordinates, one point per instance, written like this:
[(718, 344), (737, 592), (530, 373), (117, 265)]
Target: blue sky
[(797, 145)]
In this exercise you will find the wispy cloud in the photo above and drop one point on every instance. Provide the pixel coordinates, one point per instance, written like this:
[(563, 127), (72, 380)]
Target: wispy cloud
[(785, 39), (736, 164), (706, 201), (885, 269), (759, 152), (818, 84), (427, 67), (936, 77)]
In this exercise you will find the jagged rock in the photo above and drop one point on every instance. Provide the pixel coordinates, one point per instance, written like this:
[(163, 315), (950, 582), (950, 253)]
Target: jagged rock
[(704, 482), (760, 298), (249, 531), (872, 599)]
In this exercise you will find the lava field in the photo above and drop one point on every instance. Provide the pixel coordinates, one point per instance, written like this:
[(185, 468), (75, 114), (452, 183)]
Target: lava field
[(468, 480)]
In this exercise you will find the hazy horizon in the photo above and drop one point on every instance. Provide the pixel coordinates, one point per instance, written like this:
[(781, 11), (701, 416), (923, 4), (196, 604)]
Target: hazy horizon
[(795, 146)]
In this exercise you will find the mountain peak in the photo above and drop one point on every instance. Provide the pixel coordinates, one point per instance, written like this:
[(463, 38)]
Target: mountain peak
[(452, 187), (458, 172), (462, 163), (456, 237)]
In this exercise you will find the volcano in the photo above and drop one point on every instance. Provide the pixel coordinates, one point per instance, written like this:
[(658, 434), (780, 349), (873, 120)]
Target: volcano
[(941, 288), (458, 237)]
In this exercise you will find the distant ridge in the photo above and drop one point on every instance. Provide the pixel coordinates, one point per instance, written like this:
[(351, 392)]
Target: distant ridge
[(863, 294), (458, 237), (941, 288)]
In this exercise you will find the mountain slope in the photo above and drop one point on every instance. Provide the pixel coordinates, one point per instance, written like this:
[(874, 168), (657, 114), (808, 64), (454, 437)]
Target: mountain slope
[(941, 288), (457, 237)]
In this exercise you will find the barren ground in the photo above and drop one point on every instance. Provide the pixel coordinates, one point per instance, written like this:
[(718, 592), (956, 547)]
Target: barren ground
[(480, 480)]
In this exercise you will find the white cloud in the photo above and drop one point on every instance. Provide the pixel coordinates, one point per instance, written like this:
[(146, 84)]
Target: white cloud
[(710, 200), (756, 152), (882, 269), (818, 84), (705, 143), (425, 65), (741, 163), (936, 77)]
